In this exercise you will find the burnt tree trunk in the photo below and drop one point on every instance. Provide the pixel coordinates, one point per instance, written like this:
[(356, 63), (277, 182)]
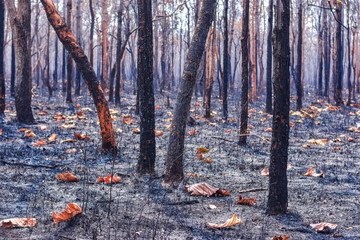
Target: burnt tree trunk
[(225, 62), (69, 66), (104, 46), (244, 75), (339, 55), (269, 60), (91, 47), (146, 161), (47, 62), (278, 193), (68, 40), (174, 162), (118, 61), (13, 66), (326, 52), (78, 38), (321, 57), (298, 81), (2, 77), (20, 20), (349, 56)]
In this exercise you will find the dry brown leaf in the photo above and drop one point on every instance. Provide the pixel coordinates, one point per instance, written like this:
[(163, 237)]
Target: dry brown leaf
[(72, 210), (39, 143), (281, 237), (29, 133), (159, 133), (18, 222), (208, 160), (204, 189), (72, 150), (42, 127), (311, 172), (268, 130), (322, 226), (202, 150), (127, 121), (246, 201), (67, 177), (41, 113), (81, 136), (264, 172), (230, 222), (319, 141), (192, 132), (350, 139), (136, 130), (52, 138), (107, 180)]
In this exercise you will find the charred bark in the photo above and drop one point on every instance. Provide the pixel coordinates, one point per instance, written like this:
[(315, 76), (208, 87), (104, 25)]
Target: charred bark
[(174, 162), (68, 40), (2, 77), (278, 193), (269, 60), (244, 75), (298, 81)]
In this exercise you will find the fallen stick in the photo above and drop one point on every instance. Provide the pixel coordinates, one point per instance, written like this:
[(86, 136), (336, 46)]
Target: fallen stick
[(252, 190), (183, 202), (32, 165)]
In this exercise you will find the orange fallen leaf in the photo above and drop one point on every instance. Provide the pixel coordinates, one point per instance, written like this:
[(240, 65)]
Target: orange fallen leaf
[(52, 138), (208, 160), (192, 132), (72, 210), (350, 139), (230, 222), (246, 201), (228, 131), (67, 177), (202, 150), (197, 104), (159, 133), (77, 105), (252, 111), (311, 172), (107, 180), (204, 189), (39, 143), (18, 222), (136, 130), (29, 133), (127, 121), (42, 127), (41, 113), (192, 175), (319, 141), (337, 148), (264, 172), (72, 150), (68, 140), (23, 129), (288, 166), (306, 146), (281, 237), (268, 130), (322, 226), (200, 155), (81, 136), (158, 107), (232, 120), (292, 124), (0, 131), (356, 105), (263, 119)]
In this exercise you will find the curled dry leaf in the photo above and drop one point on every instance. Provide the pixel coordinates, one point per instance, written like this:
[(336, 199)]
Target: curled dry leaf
[(81, 136), (192, 132), (68, 140), (230, 222), (41, 113), (72, 150), (107, 180), (29, 133), (268, 130), (159, 133), (136, 130), (246, 201), (1, 131), (18, 222), (42, 127), (263, 119), (204, 189), (39, 143), (67, 177), (192, 175), (127, 121), (306, 146), (350, 139), (281, 237), (264, 172), (337, 148), (322, 226), (72, 210), (311, 172), (52, 138), (202, 150), (319, 141), (232, 119), (157, 107), (208, 160)]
